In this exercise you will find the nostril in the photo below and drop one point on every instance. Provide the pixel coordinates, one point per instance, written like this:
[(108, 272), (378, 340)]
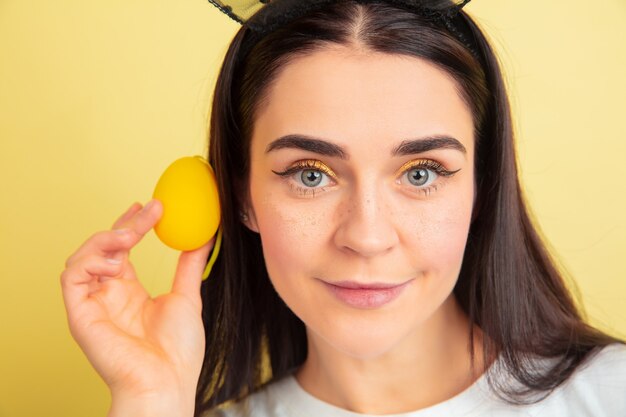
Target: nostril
[(366, 223), (367, 241)]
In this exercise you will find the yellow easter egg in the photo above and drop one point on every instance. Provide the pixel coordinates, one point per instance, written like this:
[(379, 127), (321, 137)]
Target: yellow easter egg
[(191, 207)]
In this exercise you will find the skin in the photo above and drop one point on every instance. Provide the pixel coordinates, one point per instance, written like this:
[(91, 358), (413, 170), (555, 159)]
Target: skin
[(147, 350), (368, 223)]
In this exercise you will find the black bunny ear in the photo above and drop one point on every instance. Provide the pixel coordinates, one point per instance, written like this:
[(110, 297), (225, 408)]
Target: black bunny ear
[(242, 10), (239, 10), (262, 20)]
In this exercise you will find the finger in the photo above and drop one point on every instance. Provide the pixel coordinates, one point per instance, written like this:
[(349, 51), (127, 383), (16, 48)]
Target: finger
[(104, 241), (131, 227), (142, 221), (116, 262), (188, 278), (130, 212), (108, 242), (77, 280)]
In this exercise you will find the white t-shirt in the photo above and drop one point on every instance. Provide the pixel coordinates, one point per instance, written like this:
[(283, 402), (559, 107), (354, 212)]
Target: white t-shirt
[(597, 388)]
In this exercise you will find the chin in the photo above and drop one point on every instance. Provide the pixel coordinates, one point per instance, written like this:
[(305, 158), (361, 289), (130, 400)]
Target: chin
[(359, 339), (368, 354)]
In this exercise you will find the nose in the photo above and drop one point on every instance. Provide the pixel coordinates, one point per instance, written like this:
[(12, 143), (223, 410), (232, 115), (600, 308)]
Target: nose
[(367, 225)]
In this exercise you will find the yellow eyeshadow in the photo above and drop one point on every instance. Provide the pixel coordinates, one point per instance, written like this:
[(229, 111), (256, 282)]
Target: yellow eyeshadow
[(409, 165), (315, 164)]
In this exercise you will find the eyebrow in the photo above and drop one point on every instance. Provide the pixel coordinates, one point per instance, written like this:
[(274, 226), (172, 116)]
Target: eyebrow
[(324, 147)]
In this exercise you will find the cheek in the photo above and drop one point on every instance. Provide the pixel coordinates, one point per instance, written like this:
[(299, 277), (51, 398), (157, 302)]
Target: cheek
[(292, 234), (436, 233), (445, 236)]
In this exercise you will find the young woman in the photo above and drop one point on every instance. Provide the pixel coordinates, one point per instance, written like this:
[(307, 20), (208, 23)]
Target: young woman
[(377, 258)]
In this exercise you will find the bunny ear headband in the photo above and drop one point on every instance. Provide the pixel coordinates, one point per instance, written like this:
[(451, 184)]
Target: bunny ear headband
[(264, 16)]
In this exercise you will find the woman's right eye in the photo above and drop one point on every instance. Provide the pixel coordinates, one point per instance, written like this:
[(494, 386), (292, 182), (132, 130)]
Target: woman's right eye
[(308, 176)]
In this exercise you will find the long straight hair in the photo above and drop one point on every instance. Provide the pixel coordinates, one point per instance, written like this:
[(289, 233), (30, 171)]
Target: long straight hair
[(508, 284)]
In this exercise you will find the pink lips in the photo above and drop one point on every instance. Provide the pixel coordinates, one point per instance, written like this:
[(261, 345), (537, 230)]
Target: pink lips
[(365, 296)]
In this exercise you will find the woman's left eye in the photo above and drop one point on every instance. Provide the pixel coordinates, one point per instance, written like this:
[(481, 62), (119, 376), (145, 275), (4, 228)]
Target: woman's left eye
[(420, 177)]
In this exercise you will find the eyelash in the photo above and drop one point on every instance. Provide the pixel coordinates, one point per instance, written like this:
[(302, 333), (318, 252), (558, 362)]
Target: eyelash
[(430, 165), (307, 164), (315, 165)]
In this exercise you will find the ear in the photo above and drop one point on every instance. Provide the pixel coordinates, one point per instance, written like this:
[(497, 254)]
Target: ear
[(250, 218), (246, 215)]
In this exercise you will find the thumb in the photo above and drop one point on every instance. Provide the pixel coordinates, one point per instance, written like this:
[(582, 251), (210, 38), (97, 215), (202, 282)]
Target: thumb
[(189, 271)]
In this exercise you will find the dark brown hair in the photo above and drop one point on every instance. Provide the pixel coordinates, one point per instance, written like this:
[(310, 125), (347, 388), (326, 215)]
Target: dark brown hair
[(508, 284)]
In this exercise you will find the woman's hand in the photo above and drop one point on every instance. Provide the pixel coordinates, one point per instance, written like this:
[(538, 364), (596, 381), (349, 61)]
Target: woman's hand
[(149, 351)]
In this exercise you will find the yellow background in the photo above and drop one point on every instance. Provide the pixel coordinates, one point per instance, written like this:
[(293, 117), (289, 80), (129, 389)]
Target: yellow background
[(98, 97)]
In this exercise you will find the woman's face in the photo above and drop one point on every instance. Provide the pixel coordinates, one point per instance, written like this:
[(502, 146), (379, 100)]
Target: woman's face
[(362, 174)]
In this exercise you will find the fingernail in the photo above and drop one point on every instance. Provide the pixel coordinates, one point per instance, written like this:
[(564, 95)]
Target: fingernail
[(114, 261), (131, 207), (121, 231), (148, 206)]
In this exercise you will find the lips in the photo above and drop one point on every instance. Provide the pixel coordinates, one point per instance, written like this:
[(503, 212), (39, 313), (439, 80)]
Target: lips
[(360, 286), (365, 296)]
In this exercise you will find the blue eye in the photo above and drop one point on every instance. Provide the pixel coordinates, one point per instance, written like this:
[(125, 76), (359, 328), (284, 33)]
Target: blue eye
[(311, 177), (421, 177)]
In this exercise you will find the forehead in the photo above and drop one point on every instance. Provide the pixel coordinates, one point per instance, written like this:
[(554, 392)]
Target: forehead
[(348, 95)]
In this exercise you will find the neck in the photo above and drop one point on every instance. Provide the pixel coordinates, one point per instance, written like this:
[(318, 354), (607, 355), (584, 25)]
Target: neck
[(431, 365)]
